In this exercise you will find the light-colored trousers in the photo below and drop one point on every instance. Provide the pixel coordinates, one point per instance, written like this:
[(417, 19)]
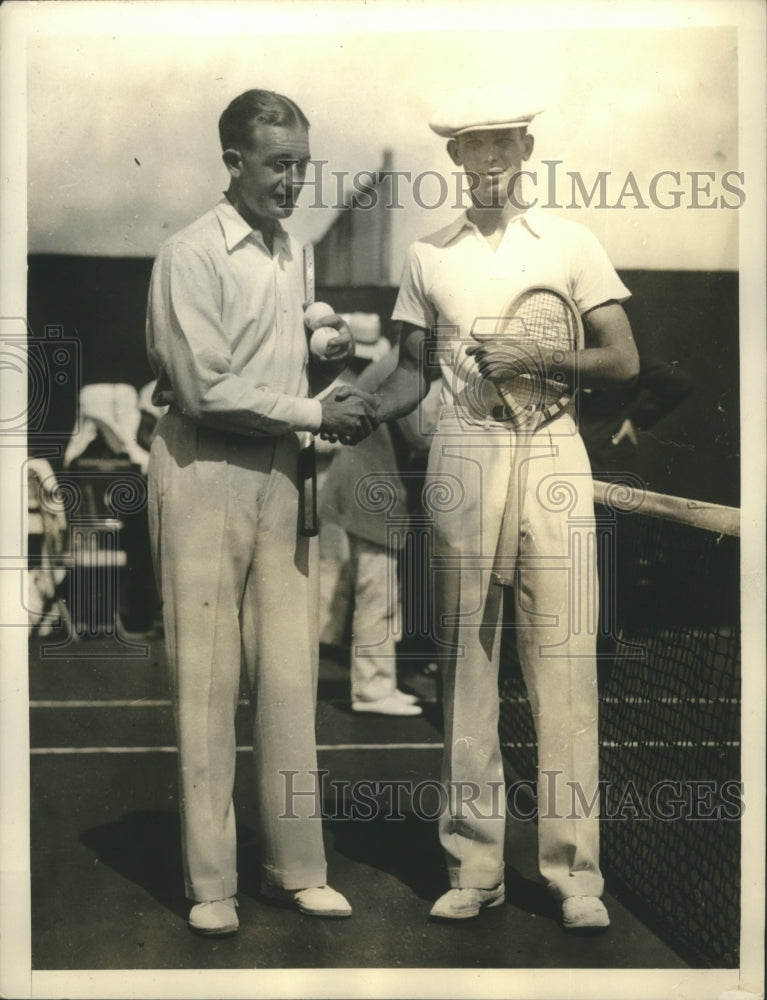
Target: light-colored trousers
[(239, 589), (375, 620), (471, 469)]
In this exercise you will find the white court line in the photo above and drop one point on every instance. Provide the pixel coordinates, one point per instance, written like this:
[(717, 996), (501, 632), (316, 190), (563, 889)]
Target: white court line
[(40, 751), (324, 747), (157, 702), (133, 703), (166, 703), (67, 751)]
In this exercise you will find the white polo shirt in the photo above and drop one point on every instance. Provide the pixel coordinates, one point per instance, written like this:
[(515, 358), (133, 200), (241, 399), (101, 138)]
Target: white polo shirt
[(453, 279), (225, 329)]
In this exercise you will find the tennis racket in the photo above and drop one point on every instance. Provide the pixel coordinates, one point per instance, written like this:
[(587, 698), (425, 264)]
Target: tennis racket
[(537, 329)]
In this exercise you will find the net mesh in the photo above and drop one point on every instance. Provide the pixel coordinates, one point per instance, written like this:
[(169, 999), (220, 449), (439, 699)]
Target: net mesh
[(669, 683)]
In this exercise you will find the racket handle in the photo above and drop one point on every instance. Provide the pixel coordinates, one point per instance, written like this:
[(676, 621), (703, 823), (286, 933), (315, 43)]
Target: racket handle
[(308, 524)]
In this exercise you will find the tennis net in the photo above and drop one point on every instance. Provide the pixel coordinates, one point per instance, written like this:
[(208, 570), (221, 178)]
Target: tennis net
[(669, 685)]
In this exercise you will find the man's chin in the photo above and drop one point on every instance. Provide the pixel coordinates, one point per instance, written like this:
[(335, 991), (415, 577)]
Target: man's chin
[(490, 193), (282, 211), (489, 199)]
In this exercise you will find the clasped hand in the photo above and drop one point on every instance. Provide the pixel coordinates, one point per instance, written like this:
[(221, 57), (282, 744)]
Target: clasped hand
[(348, 415), (341, 347)]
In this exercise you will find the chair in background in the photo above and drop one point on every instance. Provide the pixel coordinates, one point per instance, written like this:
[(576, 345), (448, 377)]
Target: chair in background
[(106, 469), (47, 550)]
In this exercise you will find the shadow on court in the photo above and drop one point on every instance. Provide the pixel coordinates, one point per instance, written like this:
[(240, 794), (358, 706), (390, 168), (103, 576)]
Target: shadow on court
[(403, 849), (107, 881), (144, 848)]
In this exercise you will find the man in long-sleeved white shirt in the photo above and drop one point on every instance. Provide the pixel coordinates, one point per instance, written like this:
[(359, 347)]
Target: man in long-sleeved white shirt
[(226, 339)]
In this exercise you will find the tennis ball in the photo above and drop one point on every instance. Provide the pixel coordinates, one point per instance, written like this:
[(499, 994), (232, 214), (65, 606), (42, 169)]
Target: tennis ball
[(320, 339), (315, 313)]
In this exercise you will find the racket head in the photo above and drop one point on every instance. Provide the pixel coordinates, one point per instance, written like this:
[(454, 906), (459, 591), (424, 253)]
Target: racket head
[(545, 314), (539, 321)]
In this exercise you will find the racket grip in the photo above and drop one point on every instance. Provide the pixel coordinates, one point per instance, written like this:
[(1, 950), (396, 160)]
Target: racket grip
[(308, 524)]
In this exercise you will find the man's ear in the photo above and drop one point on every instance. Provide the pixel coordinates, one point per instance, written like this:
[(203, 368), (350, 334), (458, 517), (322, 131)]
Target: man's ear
[(529, 145), (452, 151), (233, 161)]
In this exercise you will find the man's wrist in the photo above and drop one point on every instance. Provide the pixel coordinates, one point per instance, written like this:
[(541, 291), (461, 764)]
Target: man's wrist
[(309, 414), (382, 411)]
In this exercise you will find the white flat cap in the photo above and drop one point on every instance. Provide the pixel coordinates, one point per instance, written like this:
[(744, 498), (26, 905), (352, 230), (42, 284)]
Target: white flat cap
[(485, 107)]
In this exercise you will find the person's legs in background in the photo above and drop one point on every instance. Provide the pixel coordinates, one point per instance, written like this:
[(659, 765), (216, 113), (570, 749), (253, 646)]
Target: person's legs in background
[(374, 631)]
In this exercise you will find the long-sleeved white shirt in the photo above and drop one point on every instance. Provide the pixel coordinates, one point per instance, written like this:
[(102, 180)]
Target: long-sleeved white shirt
[(225, 330)]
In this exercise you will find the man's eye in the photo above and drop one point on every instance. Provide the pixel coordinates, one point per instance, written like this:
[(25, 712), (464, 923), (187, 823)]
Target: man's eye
[(290, 164)]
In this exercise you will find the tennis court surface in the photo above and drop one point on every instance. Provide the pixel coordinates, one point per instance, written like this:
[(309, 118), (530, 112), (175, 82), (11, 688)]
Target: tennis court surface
[(106, 867)]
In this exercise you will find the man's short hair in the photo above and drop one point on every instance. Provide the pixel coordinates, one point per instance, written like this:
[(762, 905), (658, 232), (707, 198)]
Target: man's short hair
[(264, 106)]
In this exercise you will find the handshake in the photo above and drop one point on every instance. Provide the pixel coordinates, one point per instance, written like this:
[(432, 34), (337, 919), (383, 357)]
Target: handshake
[(348, 415)]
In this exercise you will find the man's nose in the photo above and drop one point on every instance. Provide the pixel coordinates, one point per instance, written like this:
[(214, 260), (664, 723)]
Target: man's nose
[(292, 172)]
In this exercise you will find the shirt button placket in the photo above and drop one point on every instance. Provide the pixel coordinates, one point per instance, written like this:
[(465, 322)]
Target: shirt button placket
[(281, 302)]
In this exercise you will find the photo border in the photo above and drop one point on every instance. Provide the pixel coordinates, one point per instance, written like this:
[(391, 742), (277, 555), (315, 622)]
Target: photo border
[(20, 22)]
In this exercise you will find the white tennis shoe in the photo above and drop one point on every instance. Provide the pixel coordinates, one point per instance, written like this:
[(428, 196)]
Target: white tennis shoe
[(392, 704), (463, 904), (316, 901), (215, 917), (584, 913), (409, 699)]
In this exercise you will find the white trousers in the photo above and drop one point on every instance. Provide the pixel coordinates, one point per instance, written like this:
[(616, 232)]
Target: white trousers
[(239, 589), (547, 477), (375, 620)]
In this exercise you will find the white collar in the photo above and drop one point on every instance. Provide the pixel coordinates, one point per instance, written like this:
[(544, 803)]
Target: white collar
[(236, 229), (531, 218)]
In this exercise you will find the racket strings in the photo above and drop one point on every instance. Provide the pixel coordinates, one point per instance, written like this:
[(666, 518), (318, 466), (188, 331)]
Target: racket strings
[(545, 319), (541, 323)]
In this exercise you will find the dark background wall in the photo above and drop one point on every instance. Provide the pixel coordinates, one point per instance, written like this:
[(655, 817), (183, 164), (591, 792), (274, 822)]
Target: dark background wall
[(98, 306)]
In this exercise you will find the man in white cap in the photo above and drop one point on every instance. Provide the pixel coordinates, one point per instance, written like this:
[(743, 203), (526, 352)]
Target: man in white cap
[(470, 270)]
